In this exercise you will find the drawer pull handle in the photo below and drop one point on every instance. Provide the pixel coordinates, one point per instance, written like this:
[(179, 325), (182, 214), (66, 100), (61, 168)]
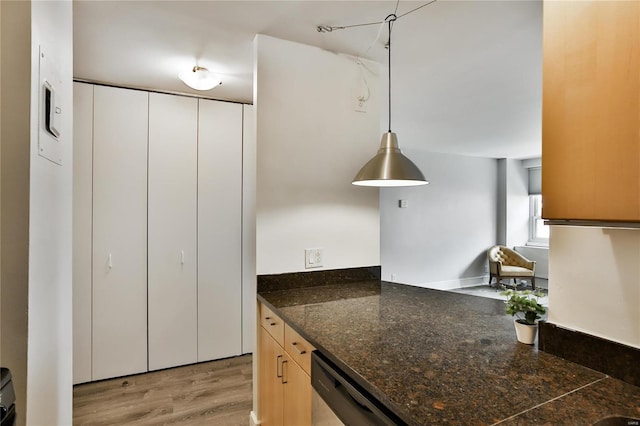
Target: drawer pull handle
[(271, 323), (278, 374), (283, 380), (300, 351)]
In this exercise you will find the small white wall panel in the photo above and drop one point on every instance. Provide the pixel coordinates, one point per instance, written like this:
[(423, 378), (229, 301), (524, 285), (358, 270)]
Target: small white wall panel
[(119, 232), (82, 182), (219, 230), (173, 308)]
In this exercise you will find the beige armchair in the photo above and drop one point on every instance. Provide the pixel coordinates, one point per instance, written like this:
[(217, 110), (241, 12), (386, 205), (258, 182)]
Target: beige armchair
[(507, 263)]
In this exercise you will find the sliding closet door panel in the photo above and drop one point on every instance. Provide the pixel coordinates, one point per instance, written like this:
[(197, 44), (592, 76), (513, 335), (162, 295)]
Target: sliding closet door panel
[(119, 232), (173, 153), (82, 183), (219, 230)]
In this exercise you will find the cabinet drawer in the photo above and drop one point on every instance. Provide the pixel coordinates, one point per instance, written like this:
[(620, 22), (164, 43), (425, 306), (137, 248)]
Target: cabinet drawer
[(272, 323), (298, 348)]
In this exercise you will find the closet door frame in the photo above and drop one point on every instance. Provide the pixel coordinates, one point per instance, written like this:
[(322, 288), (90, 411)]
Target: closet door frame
[(82, 229)]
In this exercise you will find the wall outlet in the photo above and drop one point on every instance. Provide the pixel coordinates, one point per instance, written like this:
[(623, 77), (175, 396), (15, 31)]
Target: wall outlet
[(312, 258), (393, 278)]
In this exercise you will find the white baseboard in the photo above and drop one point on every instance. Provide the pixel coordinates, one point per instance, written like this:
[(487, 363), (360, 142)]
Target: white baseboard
[(253, 419), (457, 283)]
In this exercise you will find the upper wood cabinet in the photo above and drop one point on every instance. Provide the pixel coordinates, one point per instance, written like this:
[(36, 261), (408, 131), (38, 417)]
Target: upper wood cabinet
[(591, 110)]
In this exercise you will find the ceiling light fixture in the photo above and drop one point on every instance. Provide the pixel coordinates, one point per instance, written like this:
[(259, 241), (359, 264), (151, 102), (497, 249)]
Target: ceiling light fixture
[(200, 78), (389, 167)]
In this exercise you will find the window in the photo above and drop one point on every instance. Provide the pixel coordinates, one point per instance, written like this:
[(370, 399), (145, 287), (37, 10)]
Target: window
[(538, 231)]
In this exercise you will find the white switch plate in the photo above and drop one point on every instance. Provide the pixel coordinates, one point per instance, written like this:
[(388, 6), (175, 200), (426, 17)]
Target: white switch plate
[(313, 258), (403, 204)]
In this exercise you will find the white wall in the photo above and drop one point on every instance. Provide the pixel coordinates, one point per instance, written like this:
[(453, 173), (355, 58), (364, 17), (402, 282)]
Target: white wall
[(49, 374), (36, 216), (0, 184), (440, 240), (517, 203), (513, 203), (310, 145), (501, 214), (594, 276), (15, 106)]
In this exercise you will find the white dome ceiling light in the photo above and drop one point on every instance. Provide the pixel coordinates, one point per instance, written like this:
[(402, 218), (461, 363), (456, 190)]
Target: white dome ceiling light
[(200, 78)]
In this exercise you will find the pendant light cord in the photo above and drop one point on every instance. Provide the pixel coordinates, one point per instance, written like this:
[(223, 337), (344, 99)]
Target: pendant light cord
[(390, 19), (330, 28)]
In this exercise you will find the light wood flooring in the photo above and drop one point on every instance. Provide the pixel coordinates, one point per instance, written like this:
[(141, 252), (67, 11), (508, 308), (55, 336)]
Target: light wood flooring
[(211, 393)]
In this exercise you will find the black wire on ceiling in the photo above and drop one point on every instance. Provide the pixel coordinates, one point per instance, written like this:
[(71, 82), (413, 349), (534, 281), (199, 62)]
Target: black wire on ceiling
[(330, 28)]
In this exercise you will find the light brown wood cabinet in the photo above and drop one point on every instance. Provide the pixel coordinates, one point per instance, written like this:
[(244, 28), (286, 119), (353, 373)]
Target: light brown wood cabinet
[(284, 381), (591, 110)]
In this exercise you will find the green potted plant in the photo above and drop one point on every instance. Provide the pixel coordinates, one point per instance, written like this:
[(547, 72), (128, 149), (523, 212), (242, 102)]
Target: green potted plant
[(525, 307)]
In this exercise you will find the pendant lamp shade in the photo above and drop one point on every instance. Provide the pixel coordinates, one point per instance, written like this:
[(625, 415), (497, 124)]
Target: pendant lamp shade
[(389, 167)]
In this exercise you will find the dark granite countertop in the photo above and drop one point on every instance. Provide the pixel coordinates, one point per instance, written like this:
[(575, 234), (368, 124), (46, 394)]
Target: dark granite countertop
[(435, 357)]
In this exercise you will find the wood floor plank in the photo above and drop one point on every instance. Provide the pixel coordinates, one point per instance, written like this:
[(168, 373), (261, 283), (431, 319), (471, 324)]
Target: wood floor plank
[(210, 393)]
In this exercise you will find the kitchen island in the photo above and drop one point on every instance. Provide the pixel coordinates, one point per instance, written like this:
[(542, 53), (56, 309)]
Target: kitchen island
[(435, 357)]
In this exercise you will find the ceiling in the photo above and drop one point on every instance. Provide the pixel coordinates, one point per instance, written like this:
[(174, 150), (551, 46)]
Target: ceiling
[(467, 75)]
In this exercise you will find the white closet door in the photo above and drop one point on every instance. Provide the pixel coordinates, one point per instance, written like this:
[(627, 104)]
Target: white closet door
[(173, 153), (82, 182), (119, 232), (219, 230)]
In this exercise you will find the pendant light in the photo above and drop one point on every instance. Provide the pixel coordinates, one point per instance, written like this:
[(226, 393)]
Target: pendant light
[(389, 167)]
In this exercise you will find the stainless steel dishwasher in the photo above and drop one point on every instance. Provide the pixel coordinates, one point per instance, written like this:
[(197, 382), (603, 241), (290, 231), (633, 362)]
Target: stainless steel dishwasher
[(338, 400)]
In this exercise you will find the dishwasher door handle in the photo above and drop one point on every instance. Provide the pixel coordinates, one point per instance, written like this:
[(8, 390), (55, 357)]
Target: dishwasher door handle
[(354, 398)]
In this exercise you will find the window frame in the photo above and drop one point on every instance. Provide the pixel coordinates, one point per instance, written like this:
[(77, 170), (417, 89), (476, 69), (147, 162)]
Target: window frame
[(535, 206)]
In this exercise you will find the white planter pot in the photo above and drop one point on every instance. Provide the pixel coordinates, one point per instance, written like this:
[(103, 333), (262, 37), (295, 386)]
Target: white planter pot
[(525, 333)]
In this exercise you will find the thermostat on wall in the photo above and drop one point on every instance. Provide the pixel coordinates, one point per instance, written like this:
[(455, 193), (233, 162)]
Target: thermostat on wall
[(51, 110), (50, 137)]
